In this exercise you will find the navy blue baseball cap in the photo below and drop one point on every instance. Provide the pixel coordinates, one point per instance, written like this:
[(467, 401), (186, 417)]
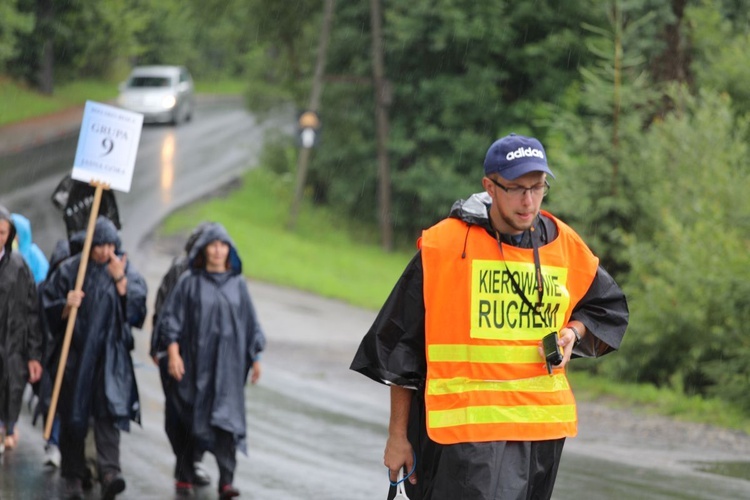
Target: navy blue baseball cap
[(515, 155)]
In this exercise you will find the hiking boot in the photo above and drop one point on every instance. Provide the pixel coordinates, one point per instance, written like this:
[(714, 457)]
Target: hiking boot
[(112, 484), (228, 491), (73, 489)]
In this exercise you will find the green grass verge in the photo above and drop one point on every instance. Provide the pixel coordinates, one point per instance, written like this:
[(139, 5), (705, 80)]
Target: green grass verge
[(19, 103), (332, 257), (649, 399), (237, 87), (324, 254)]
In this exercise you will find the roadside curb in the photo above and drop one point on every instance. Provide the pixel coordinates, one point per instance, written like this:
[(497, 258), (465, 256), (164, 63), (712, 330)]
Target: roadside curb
[(16, 137)]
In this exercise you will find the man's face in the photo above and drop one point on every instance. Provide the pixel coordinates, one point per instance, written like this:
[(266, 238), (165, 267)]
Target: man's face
[(101, 253), (4, 232), (515, 210)]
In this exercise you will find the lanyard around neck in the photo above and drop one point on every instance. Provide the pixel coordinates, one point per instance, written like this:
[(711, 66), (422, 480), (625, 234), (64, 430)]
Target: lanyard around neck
[(537, 272)]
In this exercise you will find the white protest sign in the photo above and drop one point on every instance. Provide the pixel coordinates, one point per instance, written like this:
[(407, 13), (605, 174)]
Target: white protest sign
[(107, 146)]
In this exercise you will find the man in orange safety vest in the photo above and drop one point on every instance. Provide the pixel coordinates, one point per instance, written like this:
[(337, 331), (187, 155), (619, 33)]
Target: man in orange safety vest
[(477, 411)]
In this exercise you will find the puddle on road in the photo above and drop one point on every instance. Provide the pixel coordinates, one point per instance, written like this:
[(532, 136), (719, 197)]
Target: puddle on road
[(740, 470)]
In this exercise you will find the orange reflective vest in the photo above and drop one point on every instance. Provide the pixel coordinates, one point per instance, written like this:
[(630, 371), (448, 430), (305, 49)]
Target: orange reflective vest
[(485, 378)]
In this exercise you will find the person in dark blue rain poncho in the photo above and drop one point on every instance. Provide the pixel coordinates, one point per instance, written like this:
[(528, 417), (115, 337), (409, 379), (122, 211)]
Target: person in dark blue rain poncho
[(211, 333), (99, 381)]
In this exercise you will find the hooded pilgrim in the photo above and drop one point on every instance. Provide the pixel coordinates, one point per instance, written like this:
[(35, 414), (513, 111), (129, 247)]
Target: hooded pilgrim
[(212, 318), (99, 379)]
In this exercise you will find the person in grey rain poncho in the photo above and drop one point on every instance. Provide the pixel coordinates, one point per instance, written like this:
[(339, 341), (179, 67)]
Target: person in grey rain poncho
[(99, 381), (211, 333)]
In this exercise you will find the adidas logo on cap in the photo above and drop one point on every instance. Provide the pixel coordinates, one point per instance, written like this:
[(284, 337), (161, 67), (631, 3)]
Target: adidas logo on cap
[(523, 153)]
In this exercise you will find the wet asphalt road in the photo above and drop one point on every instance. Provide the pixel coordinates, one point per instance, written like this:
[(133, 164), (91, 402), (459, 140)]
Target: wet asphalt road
[(309, 419), (315, 429)]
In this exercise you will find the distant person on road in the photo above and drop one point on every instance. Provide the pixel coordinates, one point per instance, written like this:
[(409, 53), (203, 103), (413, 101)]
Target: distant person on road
[(99, 381), (179, 265), (20, 333), (213, 340), (476, 412)]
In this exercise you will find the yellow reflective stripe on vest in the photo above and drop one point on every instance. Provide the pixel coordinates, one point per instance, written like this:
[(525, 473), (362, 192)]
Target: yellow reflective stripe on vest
[(502, 414), (483, 354), (537, 384)]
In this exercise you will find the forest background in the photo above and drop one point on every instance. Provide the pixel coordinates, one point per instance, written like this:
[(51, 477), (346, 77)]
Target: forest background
[(642, 106)]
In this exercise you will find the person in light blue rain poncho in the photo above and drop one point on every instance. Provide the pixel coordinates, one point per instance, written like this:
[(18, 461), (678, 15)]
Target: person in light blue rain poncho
[(32, 254)]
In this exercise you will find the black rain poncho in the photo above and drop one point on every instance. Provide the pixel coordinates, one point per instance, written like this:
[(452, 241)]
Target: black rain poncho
[(99, 379), (393, 352), (212, 318), (20, 332)]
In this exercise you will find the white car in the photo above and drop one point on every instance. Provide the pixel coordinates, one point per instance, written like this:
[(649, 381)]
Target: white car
[(163, 94)]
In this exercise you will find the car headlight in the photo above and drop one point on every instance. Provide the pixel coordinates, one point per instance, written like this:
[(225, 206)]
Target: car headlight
[(168, 101)]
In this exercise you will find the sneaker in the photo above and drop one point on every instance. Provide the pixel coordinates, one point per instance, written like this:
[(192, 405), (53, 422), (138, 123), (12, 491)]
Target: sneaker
[(202, 477), (52, 455), (112, 484), (73, 489), (183, 489), (228, 491)]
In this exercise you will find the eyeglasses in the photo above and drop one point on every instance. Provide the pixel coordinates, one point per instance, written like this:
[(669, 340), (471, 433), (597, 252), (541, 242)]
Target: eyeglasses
[(520, 191)]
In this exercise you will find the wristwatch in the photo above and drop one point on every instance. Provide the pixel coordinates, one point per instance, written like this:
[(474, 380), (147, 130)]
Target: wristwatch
[(576, 333)]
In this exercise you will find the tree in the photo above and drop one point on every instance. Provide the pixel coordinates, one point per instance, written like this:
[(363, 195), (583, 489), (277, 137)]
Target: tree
[(461, 73), (720, 38), (597, 129), (688, 285), (13, 23)]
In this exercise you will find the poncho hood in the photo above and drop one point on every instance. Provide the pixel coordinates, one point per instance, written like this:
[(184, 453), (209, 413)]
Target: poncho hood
[(194, 235), (105, 232), (5, 215), (23, 231), (211, 232), (475, 210)]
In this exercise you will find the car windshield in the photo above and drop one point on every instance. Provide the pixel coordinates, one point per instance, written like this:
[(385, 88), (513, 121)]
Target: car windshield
[(149, 81)]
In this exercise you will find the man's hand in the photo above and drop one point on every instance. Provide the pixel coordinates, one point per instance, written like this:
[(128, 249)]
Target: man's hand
[(74, 299), (399, 454), (176, 365), (255, 373), (35, 371), (398, 450), (566, 340), (116, 265)]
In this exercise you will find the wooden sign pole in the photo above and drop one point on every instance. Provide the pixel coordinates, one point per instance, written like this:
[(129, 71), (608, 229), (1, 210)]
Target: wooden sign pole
[(74, 310)]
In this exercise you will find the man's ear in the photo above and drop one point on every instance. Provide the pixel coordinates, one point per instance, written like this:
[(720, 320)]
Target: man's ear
[(486, 184)]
